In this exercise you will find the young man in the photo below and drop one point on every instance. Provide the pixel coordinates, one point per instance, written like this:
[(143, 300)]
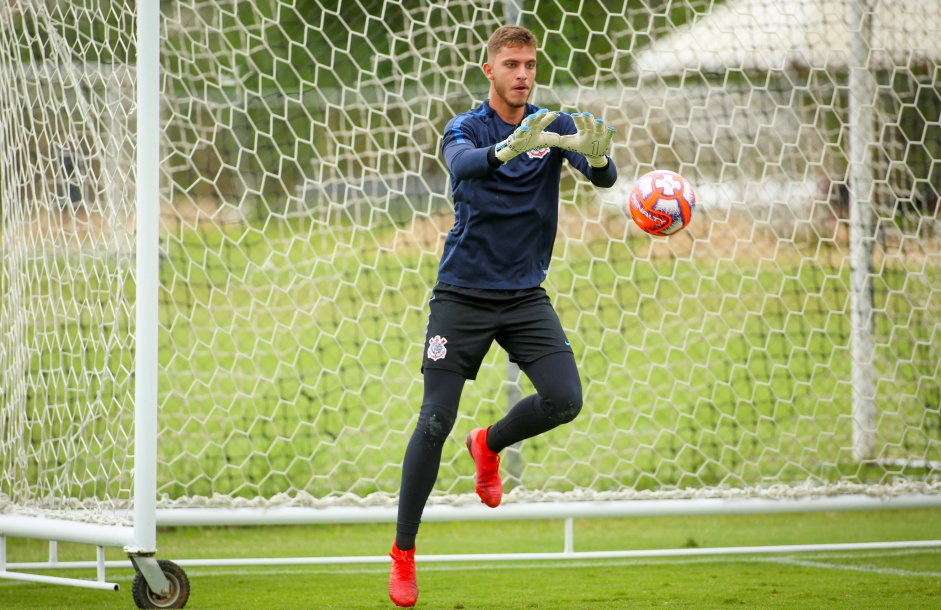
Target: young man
[(505, 159)]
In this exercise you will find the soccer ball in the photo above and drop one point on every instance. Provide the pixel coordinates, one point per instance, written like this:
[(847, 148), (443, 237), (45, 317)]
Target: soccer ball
[(662, 202)]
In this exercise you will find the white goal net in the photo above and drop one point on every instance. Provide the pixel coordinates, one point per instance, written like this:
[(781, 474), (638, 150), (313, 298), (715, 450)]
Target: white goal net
[(786, 344)]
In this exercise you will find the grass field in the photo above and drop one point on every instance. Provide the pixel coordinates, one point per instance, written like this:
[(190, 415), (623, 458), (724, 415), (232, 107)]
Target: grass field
[(731, 369), (291, 339), (899, 578), (291, 365)]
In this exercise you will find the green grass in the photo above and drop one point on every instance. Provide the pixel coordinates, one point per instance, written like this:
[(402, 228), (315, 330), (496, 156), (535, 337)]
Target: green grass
[(697, 372), (904, 578), (293, 339)]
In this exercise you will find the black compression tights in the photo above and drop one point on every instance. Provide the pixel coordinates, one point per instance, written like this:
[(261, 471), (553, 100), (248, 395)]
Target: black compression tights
[(557, 401)]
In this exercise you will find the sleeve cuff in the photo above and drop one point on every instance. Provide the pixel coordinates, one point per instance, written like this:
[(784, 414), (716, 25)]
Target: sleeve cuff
[(492, 157)]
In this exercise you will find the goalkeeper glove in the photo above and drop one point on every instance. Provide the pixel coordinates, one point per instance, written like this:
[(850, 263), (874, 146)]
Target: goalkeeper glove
[(530, 135), (591, 139)]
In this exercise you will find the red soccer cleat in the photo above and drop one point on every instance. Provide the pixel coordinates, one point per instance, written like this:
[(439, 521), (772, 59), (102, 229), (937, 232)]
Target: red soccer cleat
[(488, 484), (403, 589)]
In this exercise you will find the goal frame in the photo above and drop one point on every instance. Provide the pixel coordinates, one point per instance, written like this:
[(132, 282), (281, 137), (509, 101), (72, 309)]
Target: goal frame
[(140, 539)]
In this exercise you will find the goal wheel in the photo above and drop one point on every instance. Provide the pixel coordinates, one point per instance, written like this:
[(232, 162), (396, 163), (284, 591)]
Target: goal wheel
[(179, 588)]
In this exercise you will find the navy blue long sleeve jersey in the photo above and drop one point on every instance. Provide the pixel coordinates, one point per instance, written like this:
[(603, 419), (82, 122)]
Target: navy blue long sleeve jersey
[(505, 218)]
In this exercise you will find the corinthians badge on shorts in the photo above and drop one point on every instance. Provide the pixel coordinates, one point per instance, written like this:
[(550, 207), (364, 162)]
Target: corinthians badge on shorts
[(436, 348)]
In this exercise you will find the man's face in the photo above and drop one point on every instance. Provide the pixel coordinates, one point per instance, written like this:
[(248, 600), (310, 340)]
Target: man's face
[(512, 73)]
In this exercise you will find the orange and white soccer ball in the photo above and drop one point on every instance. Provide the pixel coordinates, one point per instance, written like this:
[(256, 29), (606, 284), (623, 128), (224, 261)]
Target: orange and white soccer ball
[(662, 202)]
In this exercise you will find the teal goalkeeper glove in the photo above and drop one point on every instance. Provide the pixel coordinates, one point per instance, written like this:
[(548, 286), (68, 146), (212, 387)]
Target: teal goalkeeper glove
[(530, 135), (591, 139)]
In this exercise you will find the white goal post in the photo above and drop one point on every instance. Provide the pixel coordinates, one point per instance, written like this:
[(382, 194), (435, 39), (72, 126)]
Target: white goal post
[(80, 224), (221, 223)]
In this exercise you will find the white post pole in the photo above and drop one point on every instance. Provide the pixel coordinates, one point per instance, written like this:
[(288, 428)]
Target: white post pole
[(513, 455), (100, 560), (148, 221), (569, 547), (512, 10), (861, 135)]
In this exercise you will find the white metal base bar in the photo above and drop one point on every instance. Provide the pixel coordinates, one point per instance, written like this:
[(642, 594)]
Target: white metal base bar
[(55, 580), (65, 531), (181, 517), (469, 558), (99, 564)]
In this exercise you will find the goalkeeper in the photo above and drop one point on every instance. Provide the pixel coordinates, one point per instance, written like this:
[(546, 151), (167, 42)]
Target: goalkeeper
[(505, 159)]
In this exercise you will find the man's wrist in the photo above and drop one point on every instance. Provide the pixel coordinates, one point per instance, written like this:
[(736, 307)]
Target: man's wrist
[(492, 158), (599, 162)]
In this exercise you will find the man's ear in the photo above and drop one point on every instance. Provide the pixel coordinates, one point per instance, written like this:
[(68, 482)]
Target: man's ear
[(488, 71)]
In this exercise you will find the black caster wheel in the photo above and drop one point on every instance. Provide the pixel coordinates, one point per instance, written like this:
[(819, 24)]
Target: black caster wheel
[(179, 588)]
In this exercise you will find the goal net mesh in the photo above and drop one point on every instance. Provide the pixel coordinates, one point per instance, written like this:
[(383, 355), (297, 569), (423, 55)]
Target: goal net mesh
[(304, 203)]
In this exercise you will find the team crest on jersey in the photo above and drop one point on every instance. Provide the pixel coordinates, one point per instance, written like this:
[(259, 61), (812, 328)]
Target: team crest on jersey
[(436, 348), (539, 153)]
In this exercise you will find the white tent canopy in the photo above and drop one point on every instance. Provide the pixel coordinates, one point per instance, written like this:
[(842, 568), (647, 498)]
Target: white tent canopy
[(763, 35)]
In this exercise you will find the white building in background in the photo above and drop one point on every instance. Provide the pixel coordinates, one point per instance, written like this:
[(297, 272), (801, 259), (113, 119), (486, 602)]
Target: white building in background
[(770, 35), (747, 95)]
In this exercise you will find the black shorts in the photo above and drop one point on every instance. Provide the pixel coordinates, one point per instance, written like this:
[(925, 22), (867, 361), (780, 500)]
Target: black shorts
[(464, 322)]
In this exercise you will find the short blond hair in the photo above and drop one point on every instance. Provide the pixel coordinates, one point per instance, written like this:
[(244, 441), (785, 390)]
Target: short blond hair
[(508, 36)]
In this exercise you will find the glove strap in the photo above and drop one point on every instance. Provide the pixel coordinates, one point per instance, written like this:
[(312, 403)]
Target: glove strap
[(503, 152)]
